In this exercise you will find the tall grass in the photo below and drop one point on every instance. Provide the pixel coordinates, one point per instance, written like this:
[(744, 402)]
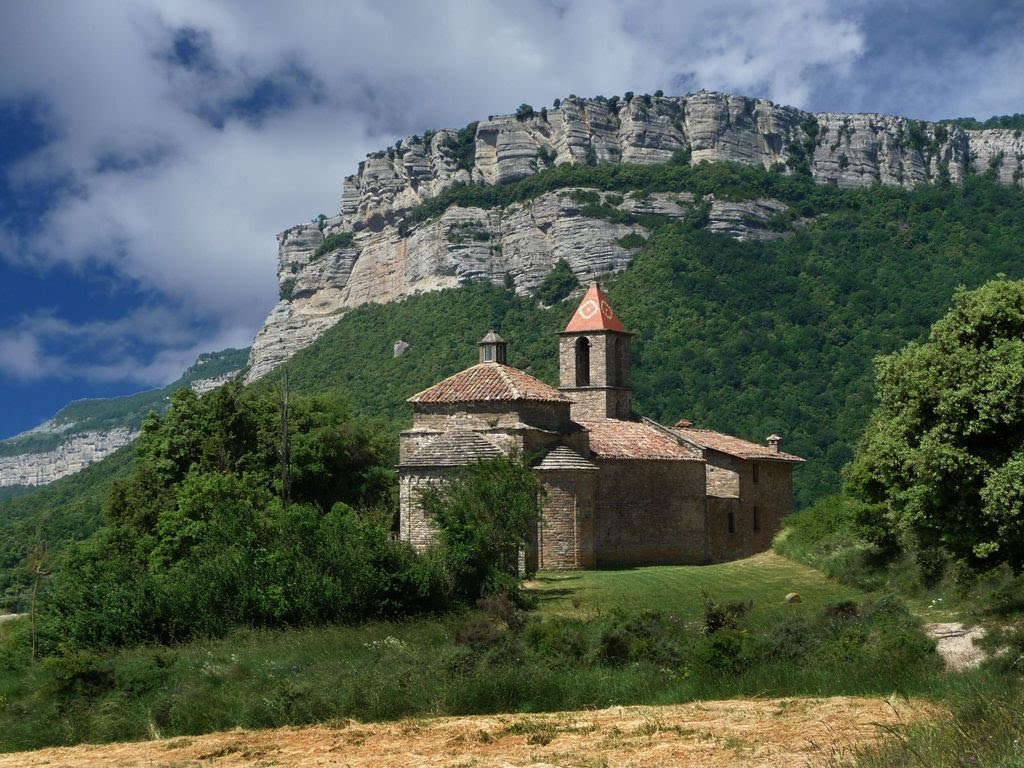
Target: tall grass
[(473, 663)]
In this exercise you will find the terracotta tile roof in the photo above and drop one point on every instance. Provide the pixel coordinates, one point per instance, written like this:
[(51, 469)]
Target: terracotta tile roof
[(594, 314), (453, 449), (708, 439), (489, 382), (614, 439), (562, 457)]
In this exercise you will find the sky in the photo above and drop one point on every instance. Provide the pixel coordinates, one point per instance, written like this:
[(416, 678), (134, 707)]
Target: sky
[(151, 150)]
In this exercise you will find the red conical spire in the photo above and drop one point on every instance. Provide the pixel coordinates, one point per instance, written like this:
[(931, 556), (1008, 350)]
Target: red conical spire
[(595, 314)]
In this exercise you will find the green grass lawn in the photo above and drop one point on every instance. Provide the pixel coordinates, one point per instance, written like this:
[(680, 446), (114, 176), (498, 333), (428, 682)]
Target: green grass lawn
[(765, 579)]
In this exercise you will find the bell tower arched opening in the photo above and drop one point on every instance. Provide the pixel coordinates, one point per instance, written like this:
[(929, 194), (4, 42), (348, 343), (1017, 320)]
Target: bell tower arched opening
[(583, 362)]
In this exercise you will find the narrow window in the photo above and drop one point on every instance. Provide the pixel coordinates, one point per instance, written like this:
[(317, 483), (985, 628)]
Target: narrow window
[(488, 353), (757, 519), (754, 467), (582, 362), (732, 522)]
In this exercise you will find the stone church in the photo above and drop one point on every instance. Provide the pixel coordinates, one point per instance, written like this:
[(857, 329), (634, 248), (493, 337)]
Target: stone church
[(620, 489)]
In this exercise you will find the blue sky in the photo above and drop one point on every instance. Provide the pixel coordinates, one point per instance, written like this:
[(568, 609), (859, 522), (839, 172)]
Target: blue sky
[(151, 150)]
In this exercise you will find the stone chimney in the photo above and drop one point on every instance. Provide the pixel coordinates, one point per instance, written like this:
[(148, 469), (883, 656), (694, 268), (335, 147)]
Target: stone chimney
[(773, 443), (683, 424)]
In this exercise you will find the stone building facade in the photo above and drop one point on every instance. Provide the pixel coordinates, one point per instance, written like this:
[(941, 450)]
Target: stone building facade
[(620, 490)]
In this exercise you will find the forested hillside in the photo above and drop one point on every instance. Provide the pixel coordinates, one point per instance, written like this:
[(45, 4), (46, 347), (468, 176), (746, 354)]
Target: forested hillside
[(746, 337)]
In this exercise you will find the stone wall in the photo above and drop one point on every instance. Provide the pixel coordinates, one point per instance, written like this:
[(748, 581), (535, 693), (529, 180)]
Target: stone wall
[(490, 415), (566, 538), (757, 509), (413, 524), (650, 512)]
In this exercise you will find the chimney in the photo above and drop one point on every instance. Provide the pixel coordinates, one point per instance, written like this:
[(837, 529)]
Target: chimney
[(773, 443), (683, 424)]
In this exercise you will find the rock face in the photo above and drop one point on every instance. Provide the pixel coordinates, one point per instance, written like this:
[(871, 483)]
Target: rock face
[(74, 455), (202, 386), (389, 257)]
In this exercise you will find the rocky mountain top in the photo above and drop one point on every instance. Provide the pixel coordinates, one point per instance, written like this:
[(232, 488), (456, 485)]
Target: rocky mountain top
[(374, 250)]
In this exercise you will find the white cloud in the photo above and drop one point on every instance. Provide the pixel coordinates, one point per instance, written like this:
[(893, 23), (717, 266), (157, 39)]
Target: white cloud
[(198, 226)]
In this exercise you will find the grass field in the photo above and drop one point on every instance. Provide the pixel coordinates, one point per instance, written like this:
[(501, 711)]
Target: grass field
[(764, 579), (635, 636)]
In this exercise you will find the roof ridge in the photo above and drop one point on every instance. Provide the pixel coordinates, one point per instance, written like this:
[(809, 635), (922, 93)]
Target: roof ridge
[(508, 379)]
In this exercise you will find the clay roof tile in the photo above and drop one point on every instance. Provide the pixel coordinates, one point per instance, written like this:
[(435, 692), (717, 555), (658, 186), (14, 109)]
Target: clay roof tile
[(489, 382), (615, 439), (709, 439)]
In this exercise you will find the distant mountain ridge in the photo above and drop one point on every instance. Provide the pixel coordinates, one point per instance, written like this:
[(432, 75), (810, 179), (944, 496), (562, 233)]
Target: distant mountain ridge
[(377, 250), (87, 431)]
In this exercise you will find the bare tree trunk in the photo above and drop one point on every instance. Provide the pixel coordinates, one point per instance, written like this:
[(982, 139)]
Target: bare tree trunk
[(285, 453), (37, 559)]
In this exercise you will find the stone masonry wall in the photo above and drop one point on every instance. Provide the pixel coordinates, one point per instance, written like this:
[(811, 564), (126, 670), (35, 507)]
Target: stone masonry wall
[(566, 539), (757, 513), (650, 512), (413, 525)]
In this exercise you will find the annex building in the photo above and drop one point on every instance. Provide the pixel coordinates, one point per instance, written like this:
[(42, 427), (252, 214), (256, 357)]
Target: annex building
[(621, 489)]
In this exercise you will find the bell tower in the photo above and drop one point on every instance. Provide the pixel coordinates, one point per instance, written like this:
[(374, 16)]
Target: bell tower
[(593, 361)]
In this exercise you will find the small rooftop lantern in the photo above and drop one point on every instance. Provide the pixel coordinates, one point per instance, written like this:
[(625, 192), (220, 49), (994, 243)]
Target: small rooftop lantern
[(493, 349)]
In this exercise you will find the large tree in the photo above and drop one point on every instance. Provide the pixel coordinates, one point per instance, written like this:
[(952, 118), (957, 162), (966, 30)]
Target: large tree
[(944, 449)]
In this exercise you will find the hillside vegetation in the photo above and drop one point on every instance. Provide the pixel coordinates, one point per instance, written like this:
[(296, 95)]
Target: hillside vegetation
[(746, 337)]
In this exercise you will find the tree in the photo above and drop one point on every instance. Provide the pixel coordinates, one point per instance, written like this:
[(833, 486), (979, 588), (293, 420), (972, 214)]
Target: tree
[(524, 111), (944, 449), (559, 283), (486, 513)]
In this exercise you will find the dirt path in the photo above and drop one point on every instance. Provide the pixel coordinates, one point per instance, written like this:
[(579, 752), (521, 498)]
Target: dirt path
[(955, 643), (755, 732)]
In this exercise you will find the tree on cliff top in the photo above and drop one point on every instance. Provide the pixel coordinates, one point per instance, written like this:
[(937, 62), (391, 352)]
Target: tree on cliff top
[(944, 450)]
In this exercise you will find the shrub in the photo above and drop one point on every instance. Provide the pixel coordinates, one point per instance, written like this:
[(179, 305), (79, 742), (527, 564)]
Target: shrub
[(632, 240), (524, 111), (334, 242), (719, 616), (287, 289)]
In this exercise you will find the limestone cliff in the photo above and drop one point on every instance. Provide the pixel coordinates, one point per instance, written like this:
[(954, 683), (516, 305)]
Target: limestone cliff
[(73, 455), (382, 258), (87, 431)]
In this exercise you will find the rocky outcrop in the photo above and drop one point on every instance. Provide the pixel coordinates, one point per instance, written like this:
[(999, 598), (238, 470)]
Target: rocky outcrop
[(518, 244), (851, 150), (387, 255), (202, 386), (74, 454)]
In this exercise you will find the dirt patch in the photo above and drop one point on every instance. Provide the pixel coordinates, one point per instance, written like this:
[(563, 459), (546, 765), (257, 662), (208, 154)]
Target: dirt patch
[(755, 732), (956, 644)]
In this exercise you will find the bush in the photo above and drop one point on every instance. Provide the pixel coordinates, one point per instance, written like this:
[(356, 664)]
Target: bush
[(524, 111), (334, 242), (485, 513)]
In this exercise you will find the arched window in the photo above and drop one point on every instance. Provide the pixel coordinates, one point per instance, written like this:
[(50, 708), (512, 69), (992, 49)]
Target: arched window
[(582, 362)]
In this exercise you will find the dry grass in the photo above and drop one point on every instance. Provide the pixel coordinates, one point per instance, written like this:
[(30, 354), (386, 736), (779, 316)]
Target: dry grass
[(755, 732)]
